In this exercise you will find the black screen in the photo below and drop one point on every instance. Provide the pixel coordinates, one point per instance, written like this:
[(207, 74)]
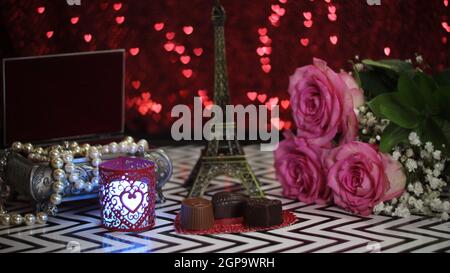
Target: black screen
[(63, 96)]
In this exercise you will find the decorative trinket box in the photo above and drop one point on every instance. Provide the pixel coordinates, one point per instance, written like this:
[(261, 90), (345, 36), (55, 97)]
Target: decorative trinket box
[(57, 100)]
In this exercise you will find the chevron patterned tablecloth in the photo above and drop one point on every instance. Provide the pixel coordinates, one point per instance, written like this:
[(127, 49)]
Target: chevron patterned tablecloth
[(319, 228)]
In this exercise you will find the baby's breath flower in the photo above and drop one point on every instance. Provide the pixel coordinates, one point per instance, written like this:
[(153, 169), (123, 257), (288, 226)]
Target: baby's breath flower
[(418, 189), (402, 212), (419, 205), (359, 66), (419, 59), (435, 183), (388, 209), (412, 201), (409, 152), (436, 204), (410, 187), (436, 172), (439, 166), (378, 208), (446, 206), (424, 154), (404, 198), (396, 155), (437, 155), (414, 139), (411, 165), (429, 147)]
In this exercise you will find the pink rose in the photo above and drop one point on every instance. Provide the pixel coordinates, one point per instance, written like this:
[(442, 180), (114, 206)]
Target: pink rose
[(396, 176), (322, 108), (353, 98), (355, 91), (360, 177), (298, 167)]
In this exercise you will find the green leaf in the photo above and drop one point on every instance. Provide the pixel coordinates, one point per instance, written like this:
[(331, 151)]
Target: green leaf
[(409, 93), (442, 99), (391, 64), (418, 93), (400, 115), (376, 82), (427, 87), (392, 136), (430, 131), (444, 125), (375, 104), (388, 106), (443, 78)]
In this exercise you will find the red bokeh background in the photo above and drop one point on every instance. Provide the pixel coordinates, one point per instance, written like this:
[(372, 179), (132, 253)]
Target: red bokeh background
[(169, 43)]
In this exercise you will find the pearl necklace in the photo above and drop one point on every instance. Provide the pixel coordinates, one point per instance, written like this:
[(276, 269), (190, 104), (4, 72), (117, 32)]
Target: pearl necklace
[(60, 158)]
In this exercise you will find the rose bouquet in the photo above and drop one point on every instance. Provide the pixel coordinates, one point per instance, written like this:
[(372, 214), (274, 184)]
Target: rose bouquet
[(372, 142)]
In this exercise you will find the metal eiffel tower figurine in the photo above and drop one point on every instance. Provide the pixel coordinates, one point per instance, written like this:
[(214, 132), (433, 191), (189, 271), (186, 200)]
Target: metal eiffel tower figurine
[(222, 157)]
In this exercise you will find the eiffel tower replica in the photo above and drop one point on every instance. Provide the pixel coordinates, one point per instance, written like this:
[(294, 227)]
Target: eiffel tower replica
[(222, 156)]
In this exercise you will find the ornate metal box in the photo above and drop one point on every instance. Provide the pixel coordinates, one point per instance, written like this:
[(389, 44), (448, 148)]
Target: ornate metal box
[(55, 98)]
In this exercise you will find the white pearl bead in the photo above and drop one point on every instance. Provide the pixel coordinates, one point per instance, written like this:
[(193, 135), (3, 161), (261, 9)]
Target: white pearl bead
[(95, 172), (58, 187), (94, 153), (73, 177), (55, 199), (57, 163), (68, 158), (95, 181), (73, 145), (95, 162), (54, 154), (88, 187), (5, 219), (17, 146), (113, 147), (70, 167), (79, 184), (59, 174), (128, 139), (27, 148), (76, 150), (86, 146), (133, 148), (30, 219), (42, 217), (105, 149), (143, 143), (123, 147), (17, 219)]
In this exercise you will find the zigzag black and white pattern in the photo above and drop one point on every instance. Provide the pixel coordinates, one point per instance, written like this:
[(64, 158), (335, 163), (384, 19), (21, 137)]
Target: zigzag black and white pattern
[(319, 228)]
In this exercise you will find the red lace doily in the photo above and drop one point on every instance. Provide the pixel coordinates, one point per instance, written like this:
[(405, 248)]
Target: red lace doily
[(234, 225)]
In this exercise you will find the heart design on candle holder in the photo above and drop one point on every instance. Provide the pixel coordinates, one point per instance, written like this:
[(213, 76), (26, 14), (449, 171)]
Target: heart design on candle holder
[(132, 200)]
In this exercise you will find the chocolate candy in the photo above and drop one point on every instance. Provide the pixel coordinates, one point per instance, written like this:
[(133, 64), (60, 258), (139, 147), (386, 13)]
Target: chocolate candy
[(228, 205), (197, 214), (263, 212)]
